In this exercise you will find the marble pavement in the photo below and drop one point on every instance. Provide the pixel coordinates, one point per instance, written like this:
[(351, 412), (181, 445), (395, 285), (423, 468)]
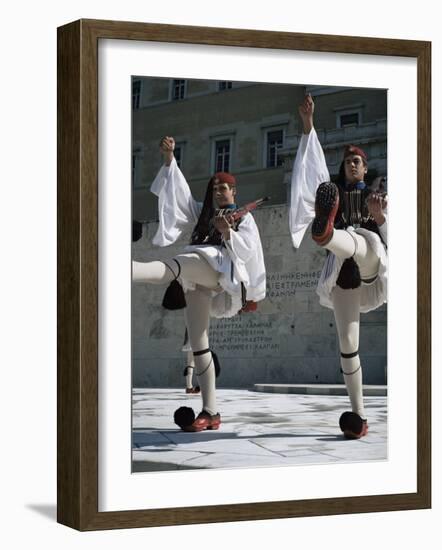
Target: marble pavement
[(258, 429)]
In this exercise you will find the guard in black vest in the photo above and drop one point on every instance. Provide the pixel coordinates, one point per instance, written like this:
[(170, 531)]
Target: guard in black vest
[(350, 221), (220, 271)]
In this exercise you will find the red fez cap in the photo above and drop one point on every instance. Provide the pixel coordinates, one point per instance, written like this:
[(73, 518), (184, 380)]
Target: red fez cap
[(225, 177), (353, 150)]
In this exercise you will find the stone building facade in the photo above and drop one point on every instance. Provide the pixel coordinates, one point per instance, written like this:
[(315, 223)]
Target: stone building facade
[(255, 129)]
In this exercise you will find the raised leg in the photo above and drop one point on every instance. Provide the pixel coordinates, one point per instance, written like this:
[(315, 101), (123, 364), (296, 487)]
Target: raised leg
[(191, 267), (345, 244), (156, 273)]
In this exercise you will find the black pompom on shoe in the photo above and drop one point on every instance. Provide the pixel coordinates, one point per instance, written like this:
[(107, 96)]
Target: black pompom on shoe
[(352, 425), (184, 417)]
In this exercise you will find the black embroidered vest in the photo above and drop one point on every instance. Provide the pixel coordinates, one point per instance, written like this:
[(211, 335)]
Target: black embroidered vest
[(353, 209), (207, 233)]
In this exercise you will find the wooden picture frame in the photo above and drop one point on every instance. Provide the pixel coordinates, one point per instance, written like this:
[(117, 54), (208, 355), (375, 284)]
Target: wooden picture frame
[(77, 387)]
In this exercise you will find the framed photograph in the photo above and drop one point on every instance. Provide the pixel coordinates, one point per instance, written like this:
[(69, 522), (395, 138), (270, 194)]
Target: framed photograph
[(141, 103)]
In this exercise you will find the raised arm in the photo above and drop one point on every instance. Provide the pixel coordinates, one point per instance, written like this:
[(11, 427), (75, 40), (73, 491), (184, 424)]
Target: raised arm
[(306, 110), (309, 170), (167, 147), (177, 209)]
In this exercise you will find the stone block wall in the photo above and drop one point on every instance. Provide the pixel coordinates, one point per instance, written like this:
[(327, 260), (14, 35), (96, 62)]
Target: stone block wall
[(290, 339)]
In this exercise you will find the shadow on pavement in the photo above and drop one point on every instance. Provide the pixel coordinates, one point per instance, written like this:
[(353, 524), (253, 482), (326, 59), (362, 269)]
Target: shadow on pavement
[(180, 437)]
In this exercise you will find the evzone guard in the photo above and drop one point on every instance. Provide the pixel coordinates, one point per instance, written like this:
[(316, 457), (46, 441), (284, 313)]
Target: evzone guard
[(349, 220), (221, 271)]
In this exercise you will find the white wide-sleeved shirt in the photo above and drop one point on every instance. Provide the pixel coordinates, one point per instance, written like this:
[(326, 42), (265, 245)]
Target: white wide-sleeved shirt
[(241, 260), (309, 171)]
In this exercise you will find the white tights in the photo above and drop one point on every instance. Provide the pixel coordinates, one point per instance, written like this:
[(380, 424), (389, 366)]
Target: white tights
[(197, 322), (345, 244), (197, 270), (346, 309), (190, 364), (346, 305), (194, 268)]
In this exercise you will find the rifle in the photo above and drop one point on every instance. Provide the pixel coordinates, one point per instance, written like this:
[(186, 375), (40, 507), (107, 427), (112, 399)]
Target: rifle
[(240, 212)]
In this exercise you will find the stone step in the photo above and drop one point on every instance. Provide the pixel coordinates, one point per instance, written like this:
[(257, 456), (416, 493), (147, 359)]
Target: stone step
[(317, 389)]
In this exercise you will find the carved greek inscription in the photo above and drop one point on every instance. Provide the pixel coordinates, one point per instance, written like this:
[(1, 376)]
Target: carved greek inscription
[(282, 285), (239, 334)]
